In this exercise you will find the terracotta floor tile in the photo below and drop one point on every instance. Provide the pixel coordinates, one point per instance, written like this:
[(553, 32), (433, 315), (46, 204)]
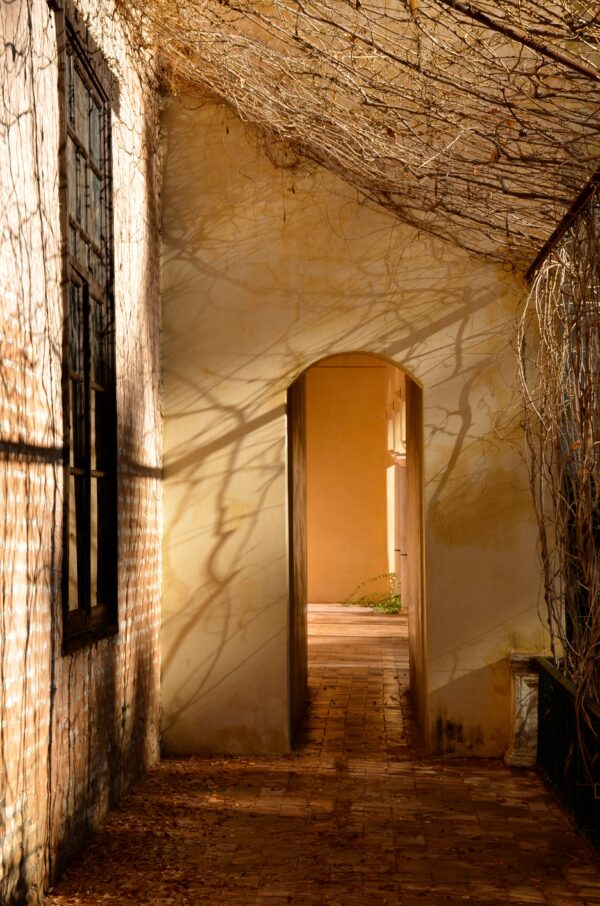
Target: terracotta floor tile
[(357, 816)]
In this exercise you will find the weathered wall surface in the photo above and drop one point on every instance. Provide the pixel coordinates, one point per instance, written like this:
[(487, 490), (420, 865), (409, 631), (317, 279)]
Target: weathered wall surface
[(346, 453), (74, 730), (266, 271)]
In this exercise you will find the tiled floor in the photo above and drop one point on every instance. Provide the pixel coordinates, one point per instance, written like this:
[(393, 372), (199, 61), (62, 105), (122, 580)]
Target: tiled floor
[(357, 816)]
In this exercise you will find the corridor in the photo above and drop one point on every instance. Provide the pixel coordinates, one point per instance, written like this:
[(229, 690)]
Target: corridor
[(356, 816)]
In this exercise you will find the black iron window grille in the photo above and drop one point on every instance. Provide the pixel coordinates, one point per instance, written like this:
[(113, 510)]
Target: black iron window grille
[(89, 391)]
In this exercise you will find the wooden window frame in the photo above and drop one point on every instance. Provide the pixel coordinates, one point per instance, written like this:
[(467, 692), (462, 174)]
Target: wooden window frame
[(91, 462)]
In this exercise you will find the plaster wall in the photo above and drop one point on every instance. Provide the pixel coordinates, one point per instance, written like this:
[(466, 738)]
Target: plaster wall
[(346, 451), (267, 270)]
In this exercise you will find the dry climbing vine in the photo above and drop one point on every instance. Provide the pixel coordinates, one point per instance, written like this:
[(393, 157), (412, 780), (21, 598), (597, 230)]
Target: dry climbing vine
[(559, 347), (477, 122)]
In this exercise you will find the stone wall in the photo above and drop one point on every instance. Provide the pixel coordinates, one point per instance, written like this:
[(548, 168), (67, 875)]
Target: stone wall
[(74, 730)]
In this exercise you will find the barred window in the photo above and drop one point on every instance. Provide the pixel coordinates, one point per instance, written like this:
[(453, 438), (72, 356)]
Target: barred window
[(89, 392)]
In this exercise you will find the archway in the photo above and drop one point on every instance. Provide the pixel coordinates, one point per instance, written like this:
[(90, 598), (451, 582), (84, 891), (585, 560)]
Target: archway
[(354, 499)]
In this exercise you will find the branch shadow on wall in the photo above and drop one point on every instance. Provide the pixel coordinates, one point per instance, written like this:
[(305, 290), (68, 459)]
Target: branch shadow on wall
[(265, 273)]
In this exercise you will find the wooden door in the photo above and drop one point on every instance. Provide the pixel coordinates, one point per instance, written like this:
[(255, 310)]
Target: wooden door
[(415, 556), (296, 425)]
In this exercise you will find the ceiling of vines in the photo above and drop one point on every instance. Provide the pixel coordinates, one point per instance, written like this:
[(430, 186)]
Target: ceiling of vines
[(478, 122)]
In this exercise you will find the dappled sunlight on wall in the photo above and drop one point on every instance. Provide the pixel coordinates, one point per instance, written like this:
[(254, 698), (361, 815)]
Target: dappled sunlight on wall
[(267, 270)]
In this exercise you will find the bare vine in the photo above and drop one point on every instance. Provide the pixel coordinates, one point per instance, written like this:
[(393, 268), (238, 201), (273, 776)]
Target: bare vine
[(559, 346), (476, 122)]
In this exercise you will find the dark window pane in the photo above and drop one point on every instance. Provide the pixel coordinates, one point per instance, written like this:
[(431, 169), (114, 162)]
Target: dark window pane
[(72, 422), (78, 538), (84, 174), (96, 133), (101, 431), (82, 109), (102, 540), (70, 90), (79, 187), (76, 353), (73, 553), (93, 459), (109, 341), (96, 203), (78, 437), (94, 565), (73, 241), (97, 268), (72, 179), (98, 344)]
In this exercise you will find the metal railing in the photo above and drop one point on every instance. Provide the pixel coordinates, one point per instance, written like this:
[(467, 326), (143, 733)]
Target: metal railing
[(569, 755)]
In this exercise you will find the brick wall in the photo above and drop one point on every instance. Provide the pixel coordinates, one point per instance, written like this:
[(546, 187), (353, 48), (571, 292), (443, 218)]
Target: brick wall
[(74, 730)]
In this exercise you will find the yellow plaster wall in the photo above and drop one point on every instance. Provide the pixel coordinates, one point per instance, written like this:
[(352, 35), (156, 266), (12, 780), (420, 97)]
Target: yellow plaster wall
[(266, 271), (346, 454)]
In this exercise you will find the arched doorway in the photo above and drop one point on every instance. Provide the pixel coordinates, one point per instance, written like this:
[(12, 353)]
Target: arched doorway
[(354, 498)]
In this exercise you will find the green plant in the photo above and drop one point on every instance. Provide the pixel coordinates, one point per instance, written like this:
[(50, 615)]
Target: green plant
[(388, 601)]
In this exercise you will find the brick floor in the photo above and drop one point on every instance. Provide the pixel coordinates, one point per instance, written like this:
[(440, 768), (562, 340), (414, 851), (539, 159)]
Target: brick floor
[(358, 815)]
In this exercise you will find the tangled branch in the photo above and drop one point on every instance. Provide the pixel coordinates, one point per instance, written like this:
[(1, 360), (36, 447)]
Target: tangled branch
[(434, 109), (560, 379)]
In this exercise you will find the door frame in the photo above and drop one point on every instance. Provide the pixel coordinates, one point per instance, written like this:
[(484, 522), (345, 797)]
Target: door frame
[(414, 594)]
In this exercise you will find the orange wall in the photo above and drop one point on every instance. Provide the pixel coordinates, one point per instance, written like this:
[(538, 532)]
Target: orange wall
[(346, 476)]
